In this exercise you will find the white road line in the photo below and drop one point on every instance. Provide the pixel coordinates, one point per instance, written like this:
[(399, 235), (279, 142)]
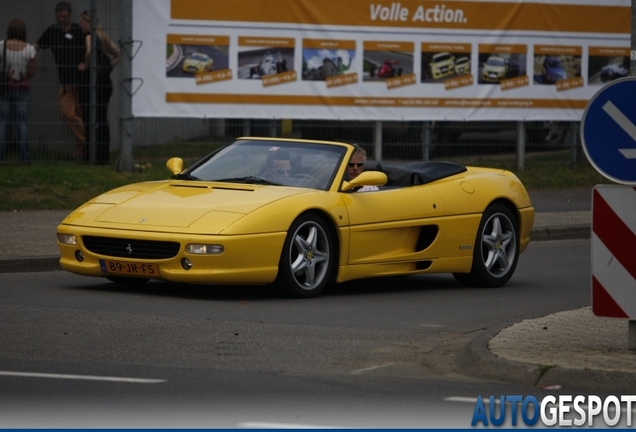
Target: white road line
[(625, 123), (267, 425), (82, 377), (461, 399), (359, 371)]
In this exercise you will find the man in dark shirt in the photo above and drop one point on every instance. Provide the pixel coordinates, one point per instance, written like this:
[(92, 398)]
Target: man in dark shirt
[(66, 41)]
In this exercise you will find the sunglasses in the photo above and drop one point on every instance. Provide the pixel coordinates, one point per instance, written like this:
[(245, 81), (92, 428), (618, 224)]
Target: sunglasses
[(353, 164), (282, 171)]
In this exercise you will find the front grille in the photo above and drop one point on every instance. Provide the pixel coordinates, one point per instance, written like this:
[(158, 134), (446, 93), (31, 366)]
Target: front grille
[(130, 248)]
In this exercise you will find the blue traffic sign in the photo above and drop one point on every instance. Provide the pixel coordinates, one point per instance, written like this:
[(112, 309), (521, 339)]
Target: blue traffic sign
[(608, 131)]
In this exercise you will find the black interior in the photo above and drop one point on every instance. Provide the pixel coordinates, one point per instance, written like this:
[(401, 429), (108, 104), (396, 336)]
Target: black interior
[(405, 174)]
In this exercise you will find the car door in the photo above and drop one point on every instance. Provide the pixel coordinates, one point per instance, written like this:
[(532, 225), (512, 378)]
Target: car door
[(394, 224)]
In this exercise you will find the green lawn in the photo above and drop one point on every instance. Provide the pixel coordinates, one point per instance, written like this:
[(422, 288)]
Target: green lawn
[(66, 185)]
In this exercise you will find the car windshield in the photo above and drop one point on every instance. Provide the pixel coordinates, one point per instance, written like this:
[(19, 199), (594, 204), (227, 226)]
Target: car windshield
[(199, 57), (495, 61), (285, 163), (555, 64), (442, 58)]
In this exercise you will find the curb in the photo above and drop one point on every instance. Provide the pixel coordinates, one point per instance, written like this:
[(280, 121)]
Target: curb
[(561, 233), (30, 264), (51, 263), (478, 361)]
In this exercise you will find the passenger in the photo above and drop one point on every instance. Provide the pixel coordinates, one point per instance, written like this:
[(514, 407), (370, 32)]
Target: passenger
[(278, 166), (356, 167)]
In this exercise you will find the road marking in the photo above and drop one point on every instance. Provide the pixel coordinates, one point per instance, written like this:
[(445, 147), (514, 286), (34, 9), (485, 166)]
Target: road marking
[(359, 371), (82, 377), (461, 399), (625, 124), (267, 425)]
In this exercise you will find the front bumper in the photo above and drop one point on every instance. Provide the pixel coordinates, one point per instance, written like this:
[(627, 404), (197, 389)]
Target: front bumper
[(246, 259)]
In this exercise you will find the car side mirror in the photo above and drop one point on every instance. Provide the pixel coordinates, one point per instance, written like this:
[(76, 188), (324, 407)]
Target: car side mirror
[(367, 178), (175, 165)]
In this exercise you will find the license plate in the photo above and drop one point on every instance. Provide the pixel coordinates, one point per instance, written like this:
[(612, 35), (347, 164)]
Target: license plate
[(129, 268)]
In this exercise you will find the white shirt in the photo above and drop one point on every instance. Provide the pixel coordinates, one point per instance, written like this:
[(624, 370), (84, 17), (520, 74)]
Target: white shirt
[(18, 60), (368, 189)]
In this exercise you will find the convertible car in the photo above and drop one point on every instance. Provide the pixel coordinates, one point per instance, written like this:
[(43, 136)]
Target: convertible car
[(223, 220)]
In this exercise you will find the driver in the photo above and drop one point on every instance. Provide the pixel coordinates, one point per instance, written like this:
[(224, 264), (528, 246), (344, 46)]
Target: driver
[(278, 166), (356, 167)]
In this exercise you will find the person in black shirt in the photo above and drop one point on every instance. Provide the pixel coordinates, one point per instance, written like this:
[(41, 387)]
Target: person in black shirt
[(107, 56), (66, 41)]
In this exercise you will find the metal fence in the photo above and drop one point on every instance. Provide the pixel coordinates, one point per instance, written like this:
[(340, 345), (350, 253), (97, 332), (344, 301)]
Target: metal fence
[(50, 139)]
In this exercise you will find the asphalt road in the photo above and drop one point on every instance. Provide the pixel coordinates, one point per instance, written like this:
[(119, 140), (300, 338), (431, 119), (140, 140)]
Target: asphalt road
[(374, 353)]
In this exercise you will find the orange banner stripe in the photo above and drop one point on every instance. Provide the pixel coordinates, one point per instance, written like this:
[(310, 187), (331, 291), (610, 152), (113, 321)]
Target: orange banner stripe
[(266, 41), (557, 50), (198, 39), (388, 46), (481, 15), (609, 52), (373, 101), (450, 47), (329, 44), (503, 48)]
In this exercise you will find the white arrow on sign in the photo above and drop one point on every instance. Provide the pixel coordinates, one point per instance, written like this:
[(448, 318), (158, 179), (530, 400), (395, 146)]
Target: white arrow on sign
[(624, 123)]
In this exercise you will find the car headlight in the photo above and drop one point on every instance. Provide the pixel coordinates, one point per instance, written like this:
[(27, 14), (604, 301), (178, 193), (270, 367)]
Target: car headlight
[(204, 249), (67, 239)]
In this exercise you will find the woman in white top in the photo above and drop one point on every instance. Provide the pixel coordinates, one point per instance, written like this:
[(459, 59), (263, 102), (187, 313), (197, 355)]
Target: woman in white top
[(18, 62)]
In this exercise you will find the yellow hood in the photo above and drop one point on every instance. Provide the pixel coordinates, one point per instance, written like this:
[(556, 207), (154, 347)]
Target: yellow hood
[(202, 205)]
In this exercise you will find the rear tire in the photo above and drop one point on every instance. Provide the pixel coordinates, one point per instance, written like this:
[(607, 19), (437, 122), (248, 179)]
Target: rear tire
[(307, 260), (496, 249)]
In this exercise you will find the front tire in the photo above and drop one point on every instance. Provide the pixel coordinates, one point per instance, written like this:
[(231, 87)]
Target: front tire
[(496, 249), (307, 260)]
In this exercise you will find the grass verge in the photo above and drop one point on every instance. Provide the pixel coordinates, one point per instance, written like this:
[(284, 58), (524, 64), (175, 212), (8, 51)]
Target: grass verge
[(66, 185)]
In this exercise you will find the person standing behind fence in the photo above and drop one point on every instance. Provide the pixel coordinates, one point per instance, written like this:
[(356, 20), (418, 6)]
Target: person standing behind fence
[(107, 56), (18, 62), (65, 40)]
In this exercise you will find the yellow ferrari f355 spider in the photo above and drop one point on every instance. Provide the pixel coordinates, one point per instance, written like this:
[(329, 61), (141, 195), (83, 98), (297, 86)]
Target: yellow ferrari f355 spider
[(283, 212)]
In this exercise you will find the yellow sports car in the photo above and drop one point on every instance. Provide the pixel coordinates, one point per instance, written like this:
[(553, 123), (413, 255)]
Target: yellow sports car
[(284, 212), (198, 63)]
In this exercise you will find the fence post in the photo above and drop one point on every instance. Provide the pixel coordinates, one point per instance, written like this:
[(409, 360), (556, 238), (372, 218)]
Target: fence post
[(574, 140), (377, 141), (247, 128), (426, 141), (91, 121), (521, 145), (125, 161), (219, 128), (272, 128)]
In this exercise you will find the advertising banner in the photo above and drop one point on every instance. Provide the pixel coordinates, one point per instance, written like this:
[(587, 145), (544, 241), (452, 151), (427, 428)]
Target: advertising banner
[(377, 59)]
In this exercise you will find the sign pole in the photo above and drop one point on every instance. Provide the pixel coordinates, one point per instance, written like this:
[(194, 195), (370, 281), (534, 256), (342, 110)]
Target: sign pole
[(631, 337), (608, 135)]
